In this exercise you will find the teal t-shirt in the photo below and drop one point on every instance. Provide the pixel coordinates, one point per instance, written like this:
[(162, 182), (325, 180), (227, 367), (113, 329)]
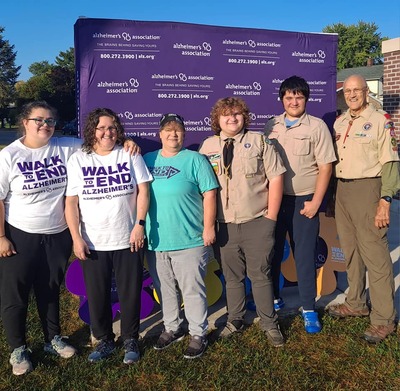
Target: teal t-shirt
[(175, 218)]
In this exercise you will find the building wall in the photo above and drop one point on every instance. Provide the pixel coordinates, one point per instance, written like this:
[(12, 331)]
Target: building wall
[(391, 82)]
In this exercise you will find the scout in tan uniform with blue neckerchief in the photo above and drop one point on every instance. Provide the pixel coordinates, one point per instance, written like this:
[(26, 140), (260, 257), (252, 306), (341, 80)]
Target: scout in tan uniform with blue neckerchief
[(368, 177)]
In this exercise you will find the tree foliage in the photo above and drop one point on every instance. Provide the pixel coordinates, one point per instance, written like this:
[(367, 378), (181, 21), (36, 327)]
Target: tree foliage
[(40, 68), (66, 60), (54, 83), (9, 72), (357, 43)]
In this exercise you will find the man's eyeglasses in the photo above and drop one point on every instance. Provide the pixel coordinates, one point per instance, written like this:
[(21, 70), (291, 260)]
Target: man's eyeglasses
[(111, 129), (356, 91), (40, 122)]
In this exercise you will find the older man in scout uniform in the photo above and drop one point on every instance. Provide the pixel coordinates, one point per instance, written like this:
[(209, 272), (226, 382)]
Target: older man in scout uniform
[(305, 144), (249, 171), (368, 177)]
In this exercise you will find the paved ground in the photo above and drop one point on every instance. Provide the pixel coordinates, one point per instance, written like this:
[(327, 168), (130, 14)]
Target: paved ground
[(7, 136)]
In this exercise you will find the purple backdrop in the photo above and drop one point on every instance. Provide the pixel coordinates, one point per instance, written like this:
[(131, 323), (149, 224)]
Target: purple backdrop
[(144, 69)]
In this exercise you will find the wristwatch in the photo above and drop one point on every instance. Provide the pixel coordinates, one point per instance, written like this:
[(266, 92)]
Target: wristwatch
[(387, 199), (140, 222)]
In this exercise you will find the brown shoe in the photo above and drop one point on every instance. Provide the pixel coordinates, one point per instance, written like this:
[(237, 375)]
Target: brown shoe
[(342, 311), (376, 334)]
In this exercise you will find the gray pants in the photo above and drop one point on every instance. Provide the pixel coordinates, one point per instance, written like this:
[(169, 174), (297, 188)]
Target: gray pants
[(187, 268), (246, 249)]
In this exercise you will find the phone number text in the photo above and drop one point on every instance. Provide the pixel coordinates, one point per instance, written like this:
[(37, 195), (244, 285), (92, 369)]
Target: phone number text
[(250, 61)]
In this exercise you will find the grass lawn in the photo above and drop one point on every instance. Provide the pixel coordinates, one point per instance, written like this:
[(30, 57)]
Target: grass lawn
[(335, 359)]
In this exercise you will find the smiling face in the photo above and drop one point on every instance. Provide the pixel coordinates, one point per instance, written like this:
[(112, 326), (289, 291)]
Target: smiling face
[(355, 92), (38, 135), (294, 104), (172, 136), (106, 136), (231, 123)]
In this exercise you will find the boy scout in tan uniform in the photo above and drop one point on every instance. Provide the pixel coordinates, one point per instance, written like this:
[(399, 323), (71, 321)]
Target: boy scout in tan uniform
[(250, 178), (244, 196), (368, 177), (306, 147)]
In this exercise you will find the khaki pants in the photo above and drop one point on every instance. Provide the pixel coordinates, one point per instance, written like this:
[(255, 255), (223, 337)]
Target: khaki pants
[(365, 248)]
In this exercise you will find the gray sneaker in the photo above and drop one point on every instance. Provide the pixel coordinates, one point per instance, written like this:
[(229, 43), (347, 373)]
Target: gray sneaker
[(59, 348), (228, 330), (20, 361), (275, 336), (167, 338), (197, 346)]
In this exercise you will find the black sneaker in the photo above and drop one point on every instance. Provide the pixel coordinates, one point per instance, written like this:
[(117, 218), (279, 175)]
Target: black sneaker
[(197, 347), (167, 338)]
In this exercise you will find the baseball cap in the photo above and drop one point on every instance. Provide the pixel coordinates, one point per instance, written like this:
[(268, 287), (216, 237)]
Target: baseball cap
[(171, 117)]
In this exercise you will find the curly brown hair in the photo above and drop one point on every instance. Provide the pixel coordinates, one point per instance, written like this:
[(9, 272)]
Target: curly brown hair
[(92, 120), (226, 106)]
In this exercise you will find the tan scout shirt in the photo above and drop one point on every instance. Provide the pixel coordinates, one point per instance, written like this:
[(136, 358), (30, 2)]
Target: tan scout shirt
[(364, 144), (303, 147), (255, 162)]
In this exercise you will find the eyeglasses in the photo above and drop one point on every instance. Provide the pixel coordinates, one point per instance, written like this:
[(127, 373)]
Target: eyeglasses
[(40, 122), (111, 129), (356, 91), (233, 114)]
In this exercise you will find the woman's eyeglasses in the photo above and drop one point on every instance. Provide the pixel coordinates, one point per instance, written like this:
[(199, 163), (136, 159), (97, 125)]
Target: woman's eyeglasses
[(111, 129), (40, 122)]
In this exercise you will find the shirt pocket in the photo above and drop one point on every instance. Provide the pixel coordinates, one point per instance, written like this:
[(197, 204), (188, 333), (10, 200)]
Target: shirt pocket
[(301, 145), (362, 140), (250, 163)]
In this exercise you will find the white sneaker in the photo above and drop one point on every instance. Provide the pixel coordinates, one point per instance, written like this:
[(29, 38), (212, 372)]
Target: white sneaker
[(20, 361), (58, 347)]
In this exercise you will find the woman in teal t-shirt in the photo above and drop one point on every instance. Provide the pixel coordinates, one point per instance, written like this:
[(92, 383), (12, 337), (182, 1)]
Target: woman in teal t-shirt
[(180, 230)]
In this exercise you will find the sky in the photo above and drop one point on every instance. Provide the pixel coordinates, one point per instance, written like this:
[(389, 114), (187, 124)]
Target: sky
[(41, 29)]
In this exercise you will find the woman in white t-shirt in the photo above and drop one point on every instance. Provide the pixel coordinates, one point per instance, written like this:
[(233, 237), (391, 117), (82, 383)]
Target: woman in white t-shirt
[(106, 205), (35, 243)]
